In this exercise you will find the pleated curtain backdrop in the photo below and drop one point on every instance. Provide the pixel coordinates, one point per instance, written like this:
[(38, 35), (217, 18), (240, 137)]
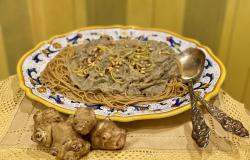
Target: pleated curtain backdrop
[(223, 25)]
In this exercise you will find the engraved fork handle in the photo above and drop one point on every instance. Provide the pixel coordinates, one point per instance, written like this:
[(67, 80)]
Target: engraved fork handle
[(229, 124), (201, 131)]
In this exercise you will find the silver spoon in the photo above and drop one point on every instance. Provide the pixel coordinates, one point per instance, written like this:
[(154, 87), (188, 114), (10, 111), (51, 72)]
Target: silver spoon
[(192, 63), (190, 58)]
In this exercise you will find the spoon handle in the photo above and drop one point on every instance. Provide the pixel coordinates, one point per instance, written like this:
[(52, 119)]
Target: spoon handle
[(229, 124), (201, 131)]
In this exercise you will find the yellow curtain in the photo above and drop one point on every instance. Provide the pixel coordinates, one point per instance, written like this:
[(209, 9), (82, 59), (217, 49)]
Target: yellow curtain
[(220, 24)]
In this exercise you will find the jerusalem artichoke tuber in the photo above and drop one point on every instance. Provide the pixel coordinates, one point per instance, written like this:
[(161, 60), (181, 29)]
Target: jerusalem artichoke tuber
[(47, 116), (107, 135), (42, 126), (83, 121), (67, 144)]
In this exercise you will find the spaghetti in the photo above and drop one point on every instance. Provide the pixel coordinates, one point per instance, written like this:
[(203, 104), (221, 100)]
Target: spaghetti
[(115, 73)]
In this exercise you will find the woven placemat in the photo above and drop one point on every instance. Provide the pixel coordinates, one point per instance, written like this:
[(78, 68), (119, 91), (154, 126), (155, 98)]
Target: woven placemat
[(167, 138)]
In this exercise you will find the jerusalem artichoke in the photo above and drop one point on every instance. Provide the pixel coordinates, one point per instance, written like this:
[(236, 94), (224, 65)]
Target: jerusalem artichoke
[(83, 121), (107, 135), (67, 144), (42, 126)]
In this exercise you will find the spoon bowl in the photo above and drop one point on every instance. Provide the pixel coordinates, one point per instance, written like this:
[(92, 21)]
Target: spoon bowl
[(192, 62)]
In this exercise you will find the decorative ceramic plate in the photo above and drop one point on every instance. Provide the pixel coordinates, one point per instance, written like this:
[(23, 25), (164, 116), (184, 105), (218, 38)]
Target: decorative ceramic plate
[(34, 62)]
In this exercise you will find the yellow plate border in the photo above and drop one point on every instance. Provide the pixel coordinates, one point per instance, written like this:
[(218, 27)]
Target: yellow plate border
[(120, 118)]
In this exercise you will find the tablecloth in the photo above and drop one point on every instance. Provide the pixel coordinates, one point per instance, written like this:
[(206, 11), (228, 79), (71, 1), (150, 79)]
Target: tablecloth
[(160, 139)]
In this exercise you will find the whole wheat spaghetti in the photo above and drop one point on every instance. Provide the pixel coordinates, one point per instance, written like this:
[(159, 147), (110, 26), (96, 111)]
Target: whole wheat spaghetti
[(115, 73)]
